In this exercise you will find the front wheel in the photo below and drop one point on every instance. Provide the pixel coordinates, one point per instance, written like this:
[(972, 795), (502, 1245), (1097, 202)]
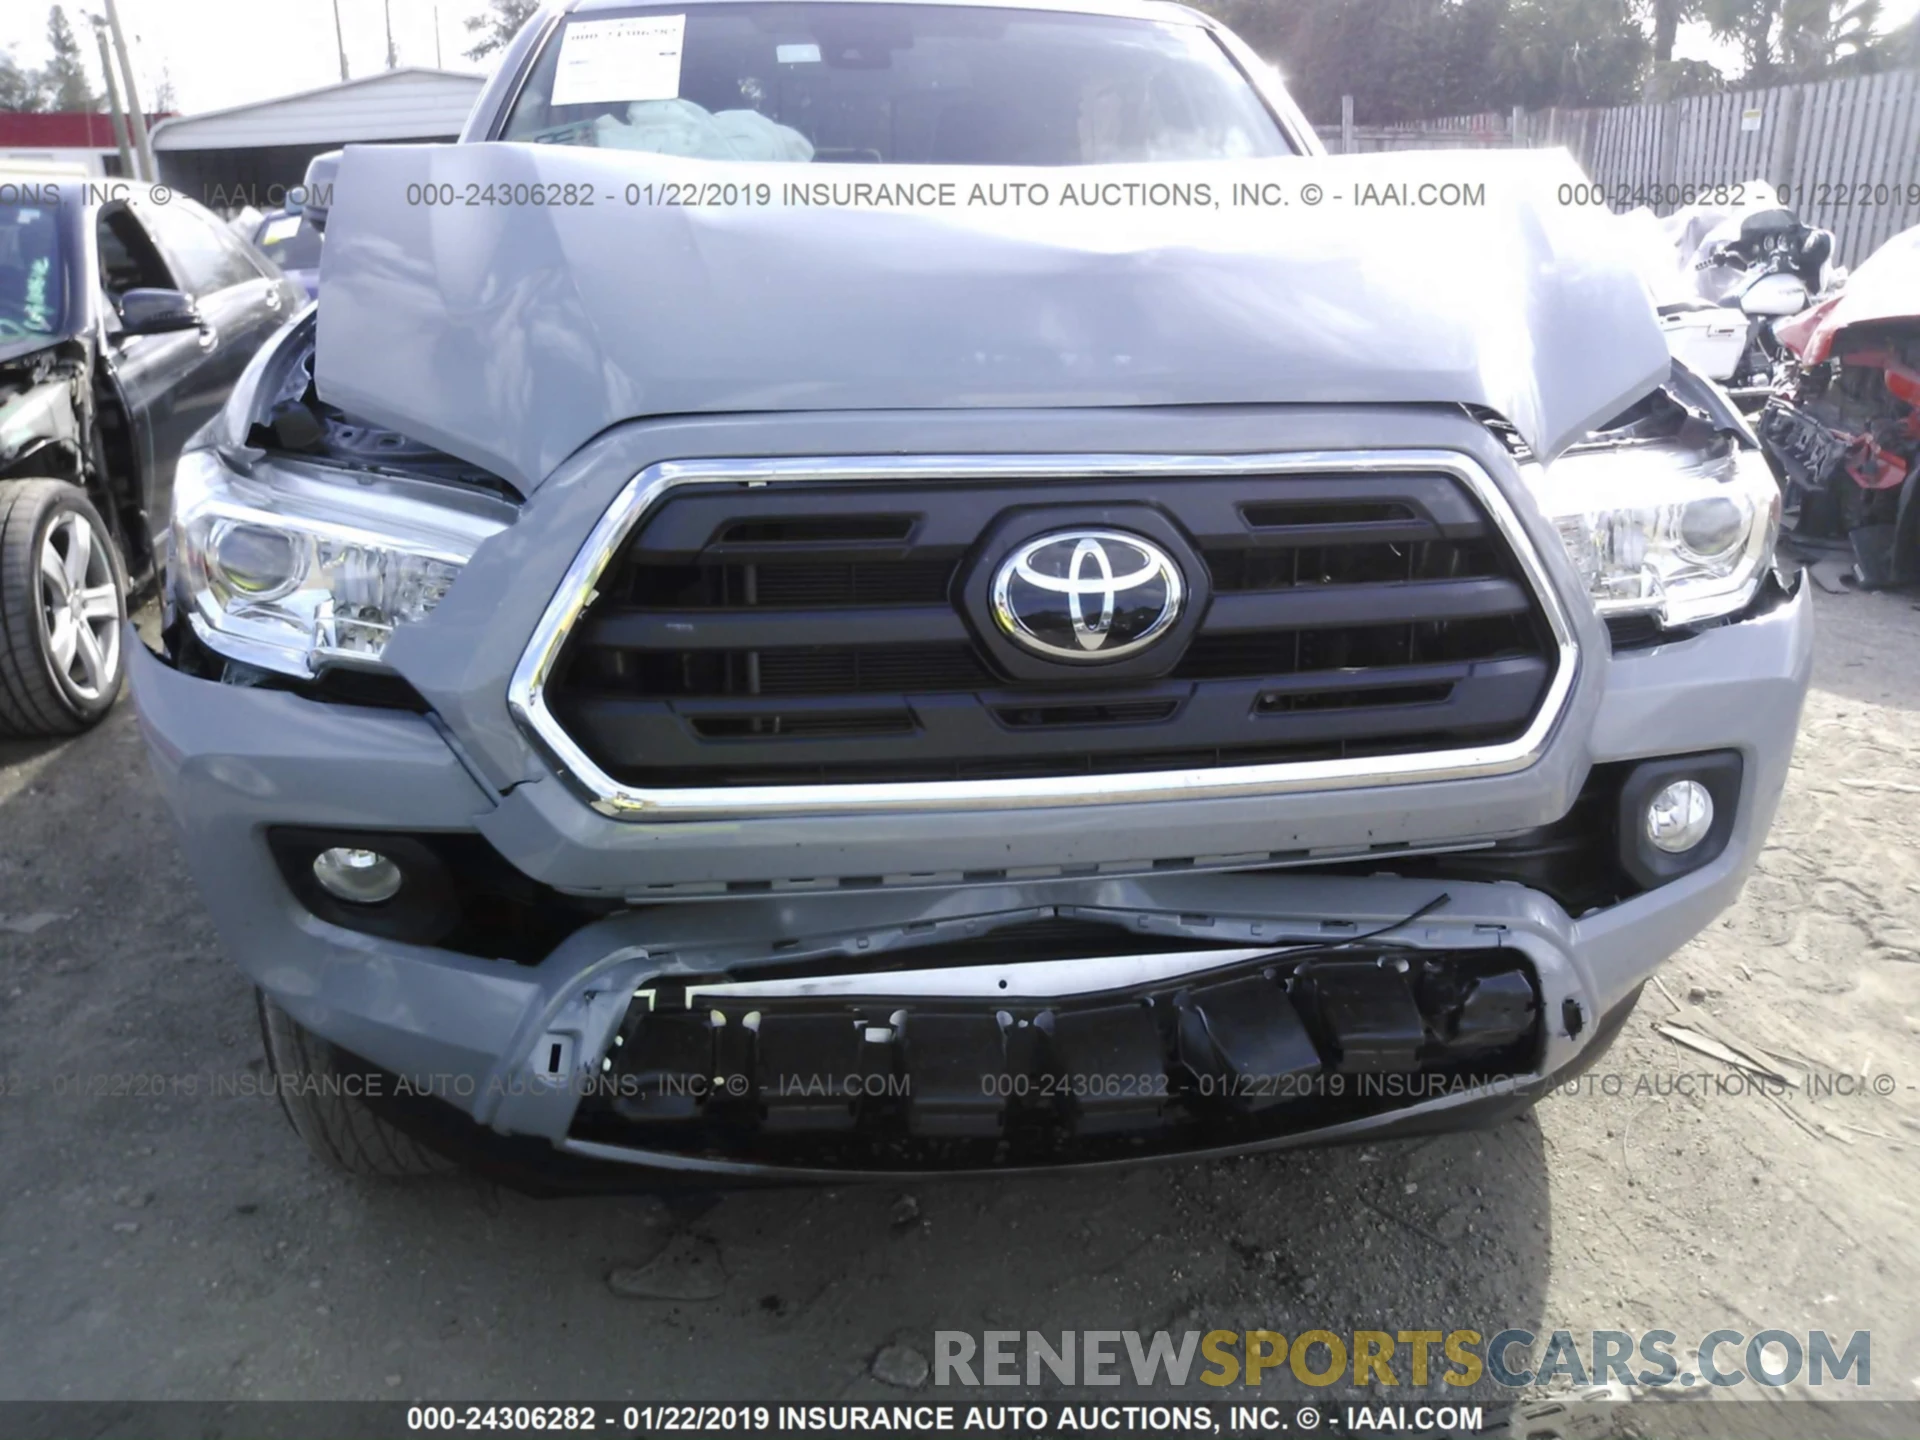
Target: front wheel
[(63, 600), (314, 1081)]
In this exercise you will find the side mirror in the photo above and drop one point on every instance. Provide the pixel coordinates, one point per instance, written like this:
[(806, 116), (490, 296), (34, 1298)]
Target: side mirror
[(157, 312), (315, 195)]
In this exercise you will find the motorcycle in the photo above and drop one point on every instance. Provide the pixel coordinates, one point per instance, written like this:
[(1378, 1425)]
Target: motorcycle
[(1754, 270)]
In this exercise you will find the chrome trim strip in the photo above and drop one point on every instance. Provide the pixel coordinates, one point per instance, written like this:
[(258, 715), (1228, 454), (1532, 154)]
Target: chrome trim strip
[(526, 697), (1022, 980)]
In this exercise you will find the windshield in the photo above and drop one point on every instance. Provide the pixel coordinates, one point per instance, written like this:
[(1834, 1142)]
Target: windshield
[(32, 292), (892, 84), (289, 241)]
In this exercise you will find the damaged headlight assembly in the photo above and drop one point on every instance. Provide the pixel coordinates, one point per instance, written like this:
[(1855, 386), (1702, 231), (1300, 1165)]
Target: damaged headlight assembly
[(292, 566), (1662, 529)]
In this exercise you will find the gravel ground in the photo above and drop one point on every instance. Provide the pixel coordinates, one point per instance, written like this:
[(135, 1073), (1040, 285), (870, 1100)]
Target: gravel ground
[(177, 1247)]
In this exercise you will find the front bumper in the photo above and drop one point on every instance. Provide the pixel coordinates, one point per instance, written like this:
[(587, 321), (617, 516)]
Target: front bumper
[(236, 762)]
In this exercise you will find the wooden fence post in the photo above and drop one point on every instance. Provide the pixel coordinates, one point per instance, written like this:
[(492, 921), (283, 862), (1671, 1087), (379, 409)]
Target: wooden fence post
[(1346, 124), (1786, 139), (1519, 123), (1667, 158)]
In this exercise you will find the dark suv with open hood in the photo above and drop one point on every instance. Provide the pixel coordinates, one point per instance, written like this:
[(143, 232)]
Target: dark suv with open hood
[(126, 315)]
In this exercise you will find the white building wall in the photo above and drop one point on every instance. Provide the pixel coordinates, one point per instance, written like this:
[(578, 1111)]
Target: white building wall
[(407, 104)]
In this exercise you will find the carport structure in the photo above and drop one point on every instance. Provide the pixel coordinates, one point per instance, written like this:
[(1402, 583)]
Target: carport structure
[(250, 154)]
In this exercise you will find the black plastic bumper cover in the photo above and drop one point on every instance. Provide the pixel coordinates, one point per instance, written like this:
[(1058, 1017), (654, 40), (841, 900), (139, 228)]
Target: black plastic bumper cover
[(1269, 1047)]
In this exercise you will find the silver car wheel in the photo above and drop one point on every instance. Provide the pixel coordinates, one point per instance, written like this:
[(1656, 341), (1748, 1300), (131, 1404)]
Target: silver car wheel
[(82, 604)]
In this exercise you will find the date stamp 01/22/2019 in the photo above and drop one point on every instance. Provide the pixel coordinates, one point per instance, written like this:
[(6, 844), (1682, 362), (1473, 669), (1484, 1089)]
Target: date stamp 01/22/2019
[(1900, 192)]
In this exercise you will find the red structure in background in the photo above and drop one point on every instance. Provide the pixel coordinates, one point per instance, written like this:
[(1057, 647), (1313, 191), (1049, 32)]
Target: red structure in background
[(56, 131)]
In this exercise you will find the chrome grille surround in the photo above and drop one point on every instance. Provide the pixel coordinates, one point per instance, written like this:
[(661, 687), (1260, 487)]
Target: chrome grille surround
[(578, 589)]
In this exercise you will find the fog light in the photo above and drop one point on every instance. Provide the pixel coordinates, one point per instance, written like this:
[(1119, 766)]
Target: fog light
[(361, 877), (1676, 815), (1679, 816)]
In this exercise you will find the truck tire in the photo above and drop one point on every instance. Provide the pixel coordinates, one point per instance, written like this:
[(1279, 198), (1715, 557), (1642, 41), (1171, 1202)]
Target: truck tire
[(63, 599), (340, 1128)]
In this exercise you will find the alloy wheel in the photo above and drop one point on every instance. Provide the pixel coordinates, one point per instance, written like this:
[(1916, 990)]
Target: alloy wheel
[(81, 601)]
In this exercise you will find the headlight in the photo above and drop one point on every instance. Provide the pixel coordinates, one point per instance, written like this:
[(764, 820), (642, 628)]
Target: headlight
[(1662, 529), (291, 566)]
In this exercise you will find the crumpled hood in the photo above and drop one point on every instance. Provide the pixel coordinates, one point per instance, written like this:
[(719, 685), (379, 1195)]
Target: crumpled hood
[(509, 333)]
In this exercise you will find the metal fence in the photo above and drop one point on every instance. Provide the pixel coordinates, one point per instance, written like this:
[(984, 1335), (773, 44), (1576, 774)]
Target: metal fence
[(1845, 153)]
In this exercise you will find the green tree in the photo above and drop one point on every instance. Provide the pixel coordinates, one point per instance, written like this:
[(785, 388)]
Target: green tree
[(1748, 24), (19, 89), (1816, 36), (1900, 48), (1400, 59), (65, 78), (1678, 78), (499, 25), (1791, 40), (1407, 60), (1668, 15), (1569, 52)]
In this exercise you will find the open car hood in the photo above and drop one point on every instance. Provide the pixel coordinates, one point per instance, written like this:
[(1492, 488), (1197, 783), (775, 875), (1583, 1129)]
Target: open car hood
[(509, 332)]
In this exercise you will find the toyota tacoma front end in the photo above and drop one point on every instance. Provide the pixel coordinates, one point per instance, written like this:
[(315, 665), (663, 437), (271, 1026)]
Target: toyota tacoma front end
[(821, 690)]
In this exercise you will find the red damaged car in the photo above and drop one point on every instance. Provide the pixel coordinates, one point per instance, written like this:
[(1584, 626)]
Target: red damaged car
[(1845, 438)]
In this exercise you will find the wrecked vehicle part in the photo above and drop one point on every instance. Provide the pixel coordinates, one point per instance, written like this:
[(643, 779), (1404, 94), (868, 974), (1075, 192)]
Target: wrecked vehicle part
[(285, 566), (1879, 291), (745, 695), (1845, 443), (63, 417), (44, 412), (1060, 309), (121, 330), (271, 550), (289, 417), (1246, 1045), (241, 766), (1654, 528), (435, 1013), (1844, 437), (1851, 424), (1667, 510)]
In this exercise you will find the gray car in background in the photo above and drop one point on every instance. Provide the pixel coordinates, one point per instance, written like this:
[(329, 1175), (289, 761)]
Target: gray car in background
[(868, 588), (291, 241)]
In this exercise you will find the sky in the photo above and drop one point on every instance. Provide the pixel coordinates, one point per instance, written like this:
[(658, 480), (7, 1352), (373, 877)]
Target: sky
[(229, 52)]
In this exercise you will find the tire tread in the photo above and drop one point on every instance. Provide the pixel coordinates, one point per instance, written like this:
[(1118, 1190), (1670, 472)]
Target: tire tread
[(342, 1130)]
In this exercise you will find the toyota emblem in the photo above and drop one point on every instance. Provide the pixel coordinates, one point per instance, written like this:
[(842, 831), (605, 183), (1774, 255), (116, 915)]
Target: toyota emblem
[(1080, 595)]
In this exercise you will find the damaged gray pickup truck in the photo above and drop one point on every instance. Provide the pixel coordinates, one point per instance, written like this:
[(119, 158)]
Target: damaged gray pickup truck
[(866, 588)]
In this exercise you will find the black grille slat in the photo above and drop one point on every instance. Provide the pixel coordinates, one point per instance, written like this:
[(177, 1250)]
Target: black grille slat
[(803, 633), (1322, 607), (752, 628), (825, 583), (1210, 720), (822, 585)]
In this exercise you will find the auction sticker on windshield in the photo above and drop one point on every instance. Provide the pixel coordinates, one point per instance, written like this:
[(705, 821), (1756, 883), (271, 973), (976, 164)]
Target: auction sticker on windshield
[(637, 58)]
